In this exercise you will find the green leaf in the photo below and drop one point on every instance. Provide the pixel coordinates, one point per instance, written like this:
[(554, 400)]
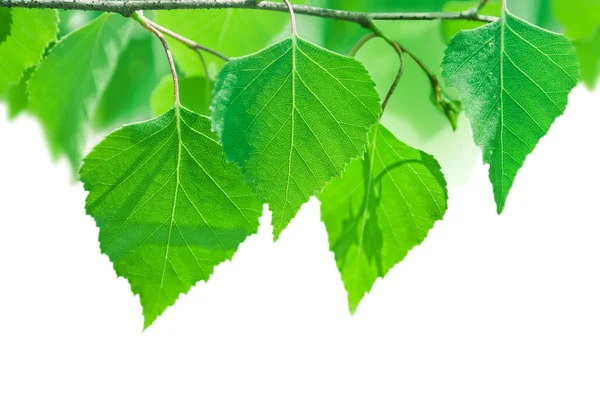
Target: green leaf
[(451, 28), (293, 116), (30, 33), (580, 18), (168, 205), (66, 87), (5, 23), (588, 51), (514, 79), (195, 94), (71, 20), (138, 71), (383, 206), (232, 32), (16, 97)]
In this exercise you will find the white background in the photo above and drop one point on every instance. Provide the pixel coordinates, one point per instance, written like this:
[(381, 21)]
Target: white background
[(489, 308)]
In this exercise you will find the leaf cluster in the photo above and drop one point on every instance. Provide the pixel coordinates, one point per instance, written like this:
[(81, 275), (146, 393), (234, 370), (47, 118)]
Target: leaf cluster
[(256, 115)]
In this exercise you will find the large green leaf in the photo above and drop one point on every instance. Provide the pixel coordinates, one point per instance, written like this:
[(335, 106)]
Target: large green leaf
[(293, 116), (232, 32), (31, 32), (168, 205), (580, 18), (66, 87), (138, 71), (515, 79), (588, 51), (195, 94), (382, 207)]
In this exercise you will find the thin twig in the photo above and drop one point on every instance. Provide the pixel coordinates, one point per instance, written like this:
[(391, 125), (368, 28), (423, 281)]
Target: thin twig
[(479, 7), (397, 79), (420, 63), (396, 46), (188, 42), (146, 24), (361, 43), (127, 7), (203, 62)]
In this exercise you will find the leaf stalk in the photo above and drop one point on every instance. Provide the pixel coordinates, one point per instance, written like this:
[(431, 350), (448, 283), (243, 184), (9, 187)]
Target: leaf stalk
[(146, 23)]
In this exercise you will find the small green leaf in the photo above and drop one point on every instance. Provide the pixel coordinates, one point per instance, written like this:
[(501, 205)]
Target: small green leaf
[(293, 116), (514, 79), (168, 205), (16, 97), (232, 32), (383, 206), (446, 104), (588, 51), (580, 18), (66, 87), (138, 71), (195, 93), (30, 33), (452, 27)]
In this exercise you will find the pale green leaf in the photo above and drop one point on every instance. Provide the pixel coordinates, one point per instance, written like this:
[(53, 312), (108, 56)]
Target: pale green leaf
[(383, 206), (5, 23), (138, 71), (514, 79), (71, 20), (31, 31), (168, 205), (588, 51), (451, 27), (580, 18), (66, 87), (195, 94), (293, 116), (16, 97)]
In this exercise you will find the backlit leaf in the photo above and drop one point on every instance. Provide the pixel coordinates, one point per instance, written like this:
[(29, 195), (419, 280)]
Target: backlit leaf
[(383, 206), (5, 23), (66, 87), (293, 116), (588, 51), (138, 71), (168, 205), (31, 32), (16, 97), (514, 79)]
